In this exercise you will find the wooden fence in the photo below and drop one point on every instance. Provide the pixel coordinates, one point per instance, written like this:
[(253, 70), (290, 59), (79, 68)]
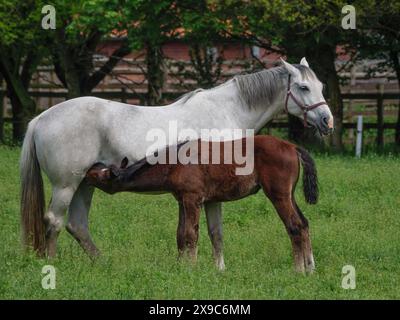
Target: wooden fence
[(124, 96)]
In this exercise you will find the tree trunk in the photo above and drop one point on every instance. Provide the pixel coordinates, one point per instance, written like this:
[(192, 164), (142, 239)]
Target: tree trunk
[(1, 110), (73, 63), (394, 56), (296, 129), (336, 105), (22, 110), (155, 75), (23, 106), (326, 64)]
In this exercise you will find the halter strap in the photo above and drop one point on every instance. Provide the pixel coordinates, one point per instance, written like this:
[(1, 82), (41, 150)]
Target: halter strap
[(304, 108)]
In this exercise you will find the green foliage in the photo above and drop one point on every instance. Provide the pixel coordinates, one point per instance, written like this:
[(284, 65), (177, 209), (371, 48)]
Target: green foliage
[(379, 36), (20, 22), (356, 222), (81, 18)]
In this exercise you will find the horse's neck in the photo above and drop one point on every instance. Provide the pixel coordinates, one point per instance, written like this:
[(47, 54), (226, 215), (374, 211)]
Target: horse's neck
[(268, 112), (228, 103)]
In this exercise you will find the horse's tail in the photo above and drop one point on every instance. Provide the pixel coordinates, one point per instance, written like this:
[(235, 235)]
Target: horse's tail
[(32, 194), (310, 179)]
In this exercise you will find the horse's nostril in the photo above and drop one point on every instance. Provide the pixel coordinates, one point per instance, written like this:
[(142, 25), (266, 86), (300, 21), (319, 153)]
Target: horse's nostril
[(325, 120)]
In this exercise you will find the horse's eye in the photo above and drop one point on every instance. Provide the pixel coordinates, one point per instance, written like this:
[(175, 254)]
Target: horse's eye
[(304, 88)]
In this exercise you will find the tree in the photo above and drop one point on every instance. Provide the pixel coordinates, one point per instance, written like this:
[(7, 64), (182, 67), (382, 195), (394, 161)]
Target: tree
[(80, 29), (205, 38), (149, 25), (22, 47), (295, 29), (379, 38)]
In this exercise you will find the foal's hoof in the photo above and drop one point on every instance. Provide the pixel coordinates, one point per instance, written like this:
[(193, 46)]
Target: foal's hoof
[(305, 269), (94, 254), (310, 265), (220, 265)]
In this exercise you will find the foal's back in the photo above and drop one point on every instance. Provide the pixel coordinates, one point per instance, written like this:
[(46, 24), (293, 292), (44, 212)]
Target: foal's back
[(276, 168)]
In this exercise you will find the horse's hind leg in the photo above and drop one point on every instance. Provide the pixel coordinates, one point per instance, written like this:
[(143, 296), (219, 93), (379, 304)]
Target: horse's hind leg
[(78, 217), (54, 217), (297, 228), (214, 224), (307, 249)]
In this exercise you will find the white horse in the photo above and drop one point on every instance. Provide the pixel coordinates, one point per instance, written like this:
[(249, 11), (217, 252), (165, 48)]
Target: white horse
[(67, 139)]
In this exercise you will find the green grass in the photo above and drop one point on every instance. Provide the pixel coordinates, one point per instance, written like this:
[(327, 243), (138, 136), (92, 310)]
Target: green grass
[(356, 222)]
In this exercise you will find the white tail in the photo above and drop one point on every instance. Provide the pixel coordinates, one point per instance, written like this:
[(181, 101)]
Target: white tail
[(32, 195)]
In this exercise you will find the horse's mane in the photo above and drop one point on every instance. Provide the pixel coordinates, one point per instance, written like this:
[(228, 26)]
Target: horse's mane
[(263, 86), (186, 96), (258, 87)]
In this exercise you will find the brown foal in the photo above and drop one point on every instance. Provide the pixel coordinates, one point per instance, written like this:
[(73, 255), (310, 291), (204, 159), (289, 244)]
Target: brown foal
[(276, 171)]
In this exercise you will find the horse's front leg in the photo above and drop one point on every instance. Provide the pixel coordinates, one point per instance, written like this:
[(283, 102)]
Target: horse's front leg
[(78, 216), (214, 224)]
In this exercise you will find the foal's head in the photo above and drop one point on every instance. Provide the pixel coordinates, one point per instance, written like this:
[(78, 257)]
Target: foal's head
[(305, 99), (105, 177)]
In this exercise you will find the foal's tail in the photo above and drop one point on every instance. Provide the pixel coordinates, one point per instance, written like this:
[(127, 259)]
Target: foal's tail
[(32, 194), (310, 179)]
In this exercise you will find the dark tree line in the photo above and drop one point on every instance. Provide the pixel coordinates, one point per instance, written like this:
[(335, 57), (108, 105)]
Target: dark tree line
[(294, 29)]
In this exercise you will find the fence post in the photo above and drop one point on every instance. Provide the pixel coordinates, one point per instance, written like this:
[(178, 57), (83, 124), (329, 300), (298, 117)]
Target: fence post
[(380, 124), (359, 136)]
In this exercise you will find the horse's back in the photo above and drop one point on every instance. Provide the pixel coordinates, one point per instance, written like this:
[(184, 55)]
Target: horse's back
[(69, 137)]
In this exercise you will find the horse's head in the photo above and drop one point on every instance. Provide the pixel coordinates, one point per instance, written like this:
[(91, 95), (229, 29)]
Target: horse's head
[(304, 97)]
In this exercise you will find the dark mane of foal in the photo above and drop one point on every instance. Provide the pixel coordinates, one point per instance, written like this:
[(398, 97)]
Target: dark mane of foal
[(143, 163)]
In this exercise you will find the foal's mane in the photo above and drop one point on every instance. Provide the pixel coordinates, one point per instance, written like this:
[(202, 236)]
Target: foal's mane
[(143, 163)]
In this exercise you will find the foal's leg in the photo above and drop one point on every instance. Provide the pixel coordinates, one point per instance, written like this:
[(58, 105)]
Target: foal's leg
[(180, 232), (191, 233), (54, 217), (307, 249), (297, 228), (214, 224), (78, 215)]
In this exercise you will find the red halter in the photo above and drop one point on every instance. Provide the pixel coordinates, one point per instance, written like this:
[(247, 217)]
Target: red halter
[(304, 108)]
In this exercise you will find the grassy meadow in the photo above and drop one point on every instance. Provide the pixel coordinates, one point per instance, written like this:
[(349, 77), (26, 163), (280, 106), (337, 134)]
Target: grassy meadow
[(357, 222)]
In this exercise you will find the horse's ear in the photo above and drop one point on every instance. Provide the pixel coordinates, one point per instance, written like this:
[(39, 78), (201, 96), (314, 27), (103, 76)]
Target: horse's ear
[(114, 171), (291, 69), (304, 62), (124, 163)]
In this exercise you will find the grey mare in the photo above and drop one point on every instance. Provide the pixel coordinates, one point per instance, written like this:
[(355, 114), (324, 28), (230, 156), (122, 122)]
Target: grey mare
[(67, 139)]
